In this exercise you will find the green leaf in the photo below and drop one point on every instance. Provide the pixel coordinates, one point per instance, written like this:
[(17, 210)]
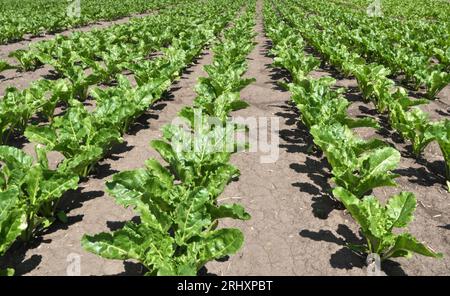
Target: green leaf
[(5, 66), (81, 162), (56, 184), (12, 218), (15, 158), (191, 215), (352, 204), (159, 171), (375, 168), (234, 211), (42, 134), (218, 178), (122, 244), (406, 243), (142, 192), (374, 213), (133, 241), (400, 209), (219, 243), (165, 150), (41, 154)]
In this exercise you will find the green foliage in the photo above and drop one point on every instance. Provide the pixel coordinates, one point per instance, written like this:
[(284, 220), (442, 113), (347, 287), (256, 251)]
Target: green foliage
[(7, 272), (413, 125), (320, 105), (378, 221), (43, 16), (77, 136), (176, 235), (30, 192), (5, 66), (357, 165), (436, 81), (441, 132), (375, 52)]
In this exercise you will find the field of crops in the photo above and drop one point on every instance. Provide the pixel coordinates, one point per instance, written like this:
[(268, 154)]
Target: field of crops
[(226, 137)]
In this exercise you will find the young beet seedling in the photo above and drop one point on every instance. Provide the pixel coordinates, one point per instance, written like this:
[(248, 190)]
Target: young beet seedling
[(377, 222)]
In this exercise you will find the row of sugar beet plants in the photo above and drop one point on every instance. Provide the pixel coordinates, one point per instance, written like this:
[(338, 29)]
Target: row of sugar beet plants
[(177, 233), (80, 68), (108, 45), (409, 121), (30, 190), (113, 46), (403, 46), (36, 17), (422, 10), (358, 165)]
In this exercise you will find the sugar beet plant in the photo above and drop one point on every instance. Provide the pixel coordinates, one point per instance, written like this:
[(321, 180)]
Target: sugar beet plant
[(5, 66), (377, 222), (177, 232), (358, 166), (178, 208), (29, 195)]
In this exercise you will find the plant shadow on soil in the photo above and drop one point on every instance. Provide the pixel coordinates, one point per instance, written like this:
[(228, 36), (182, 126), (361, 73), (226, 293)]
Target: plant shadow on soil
[(137, 269), (276, 74), (445, 226), (188, 70), (443, 113), (130, 268), (345, 258), (144, 121), (298, 140)]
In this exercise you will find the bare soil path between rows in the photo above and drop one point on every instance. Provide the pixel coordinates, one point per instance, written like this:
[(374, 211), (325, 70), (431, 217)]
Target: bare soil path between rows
[(295, 228)]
